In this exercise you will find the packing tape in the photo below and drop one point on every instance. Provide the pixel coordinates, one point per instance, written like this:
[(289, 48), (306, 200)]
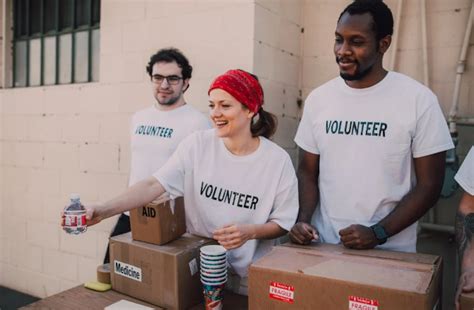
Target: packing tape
[(103, 273)]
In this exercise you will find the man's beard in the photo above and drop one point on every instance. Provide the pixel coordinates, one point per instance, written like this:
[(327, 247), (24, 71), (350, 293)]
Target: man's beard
[(358, 75), (168, 102)]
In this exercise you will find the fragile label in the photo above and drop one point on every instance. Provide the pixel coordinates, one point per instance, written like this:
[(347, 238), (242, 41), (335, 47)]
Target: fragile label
[(282, 292), (360, 303)]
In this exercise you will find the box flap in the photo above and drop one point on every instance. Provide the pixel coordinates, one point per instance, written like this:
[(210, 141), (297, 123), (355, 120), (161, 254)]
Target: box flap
[(368, 274), (334, 262), (376, 253), (183, 244)]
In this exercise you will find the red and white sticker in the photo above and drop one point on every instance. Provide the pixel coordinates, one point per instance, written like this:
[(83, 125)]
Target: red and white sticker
[(282, 292), (360, 303)]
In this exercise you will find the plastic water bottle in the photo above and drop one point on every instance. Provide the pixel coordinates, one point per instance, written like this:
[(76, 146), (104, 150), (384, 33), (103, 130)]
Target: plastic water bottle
[(75, 216)]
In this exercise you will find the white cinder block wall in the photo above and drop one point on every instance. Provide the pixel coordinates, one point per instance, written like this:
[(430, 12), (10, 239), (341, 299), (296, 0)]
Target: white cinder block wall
[(277, 61), (74, 138)]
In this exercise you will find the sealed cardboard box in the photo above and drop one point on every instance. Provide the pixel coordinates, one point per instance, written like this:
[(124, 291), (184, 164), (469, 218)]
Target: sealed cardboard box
[(467, 301), (326, 276), (159, 222), (166, 275)]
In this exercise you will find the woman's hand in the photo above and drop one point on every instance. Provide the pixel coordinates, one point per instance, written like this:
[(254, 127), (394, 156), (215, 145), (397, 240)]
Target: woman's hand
[(234, 235), (92, 215)]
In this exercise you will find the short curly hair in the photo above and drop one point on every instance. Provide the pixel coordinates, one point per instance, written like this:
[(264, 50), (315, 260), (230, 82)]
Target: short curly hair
[(382, 16), (169, 55)]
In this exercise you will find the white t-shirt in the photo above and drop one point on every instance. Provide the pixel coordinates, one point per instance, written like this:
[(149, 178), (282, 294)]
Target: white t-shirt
[(220, 188), (465, 174), (155, 135), (367, 139)]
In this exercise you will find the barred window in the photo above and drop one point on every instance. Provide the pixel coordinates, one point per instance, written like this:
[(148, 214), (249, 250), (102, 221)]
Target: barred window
[(55, 42)]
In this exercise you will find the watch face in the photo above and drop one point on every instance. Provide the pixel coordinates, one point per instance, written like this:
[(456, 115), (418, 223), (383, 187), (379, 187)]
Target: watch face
[(380, 233), (469, 222)]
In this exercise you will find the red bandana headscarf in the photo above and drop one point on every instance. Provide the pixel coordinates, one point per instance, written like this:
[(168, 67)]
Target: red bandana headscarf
[(242, 86)]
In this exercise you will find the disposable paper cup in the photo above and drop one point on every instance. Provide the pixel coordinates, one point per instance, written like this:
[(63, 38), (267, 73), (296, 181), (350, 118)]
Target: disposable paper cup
[(214, 270), (213, 260), (213, 295), (212, 274), (213, 250), (214, 257), (214, 266), (213, 281)]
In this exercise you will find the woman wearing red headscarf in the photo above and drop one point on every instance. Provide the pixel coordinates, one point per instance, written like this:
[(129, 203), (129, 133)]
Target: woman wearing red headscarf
[(239, 187)]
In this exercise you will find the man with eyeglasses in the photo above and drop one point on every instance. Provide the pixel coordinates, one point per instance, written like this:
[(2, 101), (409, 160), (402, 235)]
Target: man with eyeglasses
[(157, 130)]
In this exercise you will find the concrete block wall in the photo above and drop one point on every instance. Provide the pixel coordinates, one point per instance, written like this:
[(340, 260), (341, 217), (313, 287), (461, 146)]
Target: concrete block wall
[(278, 61), (57, 140)]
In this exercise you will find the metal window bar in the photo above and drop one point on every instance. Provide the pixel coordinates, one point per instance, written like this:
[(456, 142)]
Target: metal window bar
[(21, 13), (27, 62), (89, 42), (42, 42), (73, 39), (56, 30)]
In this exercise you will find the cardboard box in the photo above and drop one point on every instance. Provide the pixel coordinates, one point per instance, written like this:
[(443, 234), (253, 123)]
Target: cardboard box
[(159, 222), (326, 276), (467, 301), (166, 275)]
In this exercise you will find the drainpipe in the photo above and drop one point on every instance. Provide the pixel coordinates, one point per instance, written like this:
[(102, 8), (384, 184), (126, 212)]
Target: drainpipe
[(426, 79), (453, 119), (459, 72), (424, 37)]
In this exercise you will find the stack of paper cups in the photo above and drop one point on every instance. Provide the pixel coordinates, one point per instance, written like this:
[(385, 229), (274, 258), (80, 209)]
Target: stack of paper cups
[(213, 275)]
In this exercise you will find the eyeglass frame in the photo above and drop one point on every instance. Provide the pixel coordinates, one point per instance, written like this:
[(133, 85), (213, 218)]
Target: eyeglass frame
[(167, 78)]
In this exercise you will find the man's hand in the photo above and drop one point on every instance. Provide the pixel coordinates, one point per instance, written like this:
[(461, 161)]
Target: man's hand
[(303, 233), (465, 285), (358, 237), (233, 236)]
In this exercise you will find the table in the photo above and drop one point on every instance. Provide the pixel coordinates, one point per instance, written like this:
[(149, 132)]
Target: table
[(81, 298)]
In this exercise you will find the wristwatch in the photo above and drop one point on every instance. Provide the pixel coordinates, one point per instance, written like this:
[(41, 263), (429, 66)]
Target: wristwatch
[(379, 233)]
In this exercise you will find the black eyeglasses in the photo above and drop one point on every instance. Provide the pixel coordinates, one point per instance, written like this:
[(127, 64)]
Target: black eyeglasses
[(171, 79)]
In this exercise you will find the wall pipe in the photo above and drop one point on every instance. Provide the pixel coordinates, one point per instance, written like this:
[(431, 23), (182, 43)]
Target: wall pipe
[(459, 72), (426, 79), (453, 119), (438, 227), (424, 38)]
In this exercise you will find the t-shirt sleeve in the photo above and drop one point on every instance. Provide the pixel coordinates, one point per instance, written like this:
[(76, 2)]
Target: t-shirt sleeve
[(465, 174), (171, 174), (305, 135), (285, 206), (431, 133)]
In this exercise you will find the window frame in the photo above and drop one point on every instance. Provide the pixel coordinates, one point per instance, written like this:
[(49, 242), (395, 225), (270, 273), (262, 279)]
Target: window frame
[(56, 33)]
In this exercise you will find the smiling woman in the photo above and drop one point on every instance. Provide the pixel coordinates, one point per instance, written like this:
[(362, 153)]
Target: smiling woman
[(239, 187)]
